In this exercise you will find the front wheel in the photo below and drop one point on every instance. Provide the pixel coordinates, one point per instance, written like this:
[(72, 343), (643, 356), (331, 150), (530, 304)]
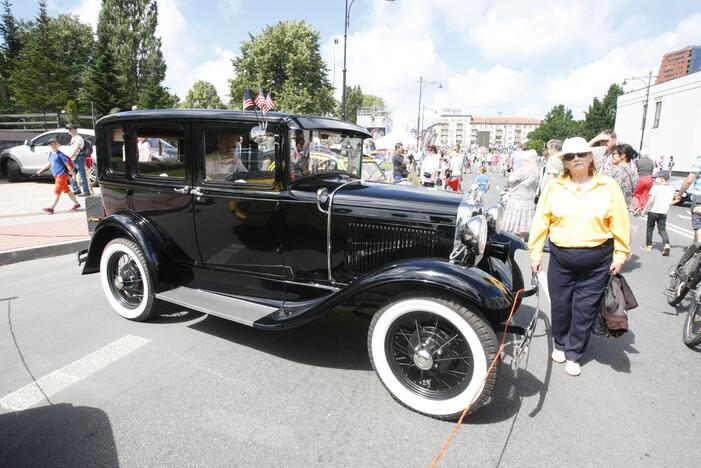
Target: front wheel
[(692, 325), (678, 285), (432, 354), (126, 280)]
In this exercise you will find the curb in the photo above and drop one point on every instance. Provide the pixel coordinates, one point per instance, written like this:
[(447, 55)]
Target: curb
[(43, 251)]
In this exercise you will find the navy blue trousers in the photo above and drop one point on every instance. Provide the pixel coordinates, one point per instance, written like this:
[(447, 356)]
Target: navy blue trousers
[(576, 279)]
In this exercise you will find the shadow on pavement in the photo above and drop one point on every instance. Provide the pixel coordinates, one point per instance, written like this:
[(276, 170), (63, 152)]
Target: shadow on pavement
[(611, 351), (57, 435), (167, 312), (336, 340)]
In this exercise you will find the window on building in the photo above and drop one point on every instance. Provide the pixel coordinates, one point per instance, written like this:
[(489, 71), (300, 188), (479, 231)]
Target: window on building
[(658, 110), (642, 122)]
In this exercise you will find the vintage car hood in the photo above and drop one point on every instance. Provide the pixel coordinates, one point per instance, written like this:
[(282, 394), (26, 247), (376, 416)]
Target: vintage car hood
[(397, 202)]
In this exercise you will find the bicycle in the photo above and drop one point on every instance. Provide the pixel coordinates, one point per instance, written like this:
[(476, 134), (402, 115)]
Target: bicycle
[(692, 325), (685, 275)]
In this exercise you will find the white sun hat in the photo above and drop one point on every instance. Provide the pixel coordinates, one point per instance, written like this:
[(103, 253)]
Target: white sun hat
[(575, 145)]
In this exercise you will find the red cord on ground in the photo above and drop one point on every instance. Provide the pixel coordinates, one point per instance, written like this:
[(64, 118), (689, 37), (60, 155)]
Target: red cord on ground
[(455, 428)]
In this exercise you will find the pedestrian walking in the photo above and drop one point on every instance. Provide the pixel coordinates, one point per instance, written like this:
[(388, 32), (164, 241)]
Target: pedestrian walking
[(520, 205), (692, 185), (553, 167), (657, 206), (78, 158), (619, 167), (454, 172), (430, 166), (482, 182), (399, 171), (645, 167), (586, 217), (61, 168)]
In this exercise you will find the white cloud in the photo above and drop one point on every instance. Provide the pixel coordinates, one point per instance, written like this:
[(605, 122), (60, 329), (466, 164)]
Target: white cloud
[(88, 11), (576, 88), (218, 72)]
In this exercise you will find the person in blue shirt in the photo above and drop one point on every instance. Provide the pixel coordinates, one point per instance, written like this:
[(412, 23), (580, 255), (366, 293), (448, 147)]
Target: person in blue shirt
[(60, 169), (482, 181)]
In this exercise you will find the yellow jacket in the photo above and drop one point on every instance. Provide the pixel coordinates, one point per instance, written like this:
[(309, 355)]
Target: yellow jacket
[(576, 218)]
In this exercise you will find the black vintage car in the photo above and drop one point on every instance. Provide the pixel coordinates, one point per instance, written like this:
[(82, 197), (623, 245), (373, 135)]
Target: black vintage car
[(249, 221)]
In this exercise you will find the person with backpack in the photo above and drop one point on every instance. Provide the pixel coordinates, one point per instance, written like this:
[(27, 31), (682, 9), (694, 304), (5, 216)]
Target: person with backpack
[(80, 148), (61, 168)]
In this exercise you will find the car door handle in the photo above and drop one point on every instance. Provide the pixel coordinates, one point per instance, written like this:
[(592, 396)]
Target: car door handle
[(185, 189), (196, 191)]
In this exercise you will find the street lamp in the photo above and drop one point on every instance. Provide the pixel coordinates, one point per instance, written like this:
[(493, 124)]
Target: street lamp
[(647, 97), (422, 85), (345, 40)]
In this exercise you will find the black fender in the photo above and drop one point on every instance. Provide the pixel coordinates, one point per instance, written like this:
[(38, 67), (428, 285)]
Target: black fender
[(124, 223), (472, 285)]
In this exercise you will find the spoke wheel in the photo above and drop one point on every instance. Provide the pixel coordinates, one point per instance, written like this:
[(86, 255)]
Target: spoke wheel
[(429, 355), (432, 354), (126, 280), (678, 285), (692, 325)]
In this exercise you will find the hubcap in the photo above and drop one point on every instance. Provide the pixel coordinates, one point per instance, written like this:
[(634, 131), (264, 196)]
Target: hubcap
[(126, 282), (423, 359), (119, 282)]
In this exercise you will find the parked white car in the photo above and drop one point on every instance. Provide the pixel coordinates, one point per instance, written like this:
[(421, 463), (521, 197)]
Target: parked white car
[(24, 160)]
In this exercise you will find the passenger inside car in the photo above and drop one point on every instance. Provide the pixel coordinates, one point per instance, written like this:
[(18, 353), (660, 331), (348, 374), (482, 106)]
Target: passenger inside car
[(225, 160)]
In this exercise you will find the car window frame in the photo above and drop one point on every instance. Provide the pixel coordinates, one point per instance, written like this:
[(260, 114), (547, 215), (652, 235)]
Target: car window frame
[(105, 168), (48, 136), (199, 133), (132, 158)]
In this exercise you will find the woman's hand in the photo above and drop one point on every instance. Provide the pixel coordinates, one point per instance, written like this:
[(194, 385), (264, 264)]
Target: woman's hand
[(616, 268), (536, 267)]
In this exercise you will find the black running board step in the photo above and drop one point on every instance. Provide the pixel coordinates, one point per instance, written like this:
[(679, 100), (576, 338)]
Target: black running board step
[(230, 308)]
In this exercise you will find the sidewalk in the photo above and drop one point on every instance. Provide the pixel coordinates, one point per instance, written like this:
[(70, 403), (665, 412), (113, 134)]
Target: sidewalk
[(27, 233)]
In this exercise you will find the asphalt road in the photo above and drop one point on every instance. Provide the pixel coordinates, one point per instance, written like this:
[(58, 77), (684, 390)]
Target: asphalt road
[(193, 390)]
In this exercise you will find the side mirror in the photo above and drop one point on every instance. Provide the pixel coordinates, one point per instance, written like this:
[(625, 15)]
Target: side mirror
[(322, 199), (26, 142)]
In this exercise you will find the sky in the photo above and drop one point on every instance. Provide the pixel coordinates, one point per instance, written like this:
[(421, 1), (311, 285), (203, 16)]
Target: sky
[(493, 57)]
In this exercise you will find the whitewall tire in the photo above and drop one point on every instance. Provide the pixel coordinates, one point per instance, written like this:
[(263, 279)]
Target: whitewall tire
[(126, 280), (432, 354)]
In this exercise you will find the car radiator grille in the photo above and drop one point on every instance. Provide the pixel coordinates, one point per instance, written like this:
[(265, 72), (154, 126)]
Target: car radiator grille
[(373, 245)]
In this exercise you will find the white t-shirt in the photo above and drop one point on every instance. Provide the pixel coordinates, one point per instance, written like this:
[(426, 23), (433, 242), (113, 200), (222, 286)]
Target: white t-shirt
[(430, 164), (664, 194), (455, 166), (77, 141)]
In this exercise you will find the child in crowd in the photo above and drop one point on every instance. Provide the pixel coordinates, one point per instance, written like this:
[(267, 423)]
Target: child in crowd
[(60, 169), (661, 196), (482, 182)]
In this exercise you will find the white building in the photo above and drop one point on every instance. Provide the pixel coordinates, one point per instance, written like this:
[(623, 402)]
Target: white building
[(377, 121), (454, 128), (503, 131), (672, 123)]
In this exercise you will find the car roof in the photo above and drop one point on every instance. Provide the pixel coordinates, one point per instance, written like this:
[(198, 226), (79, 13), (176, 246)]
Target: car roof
[(296, 121), (87, 131)]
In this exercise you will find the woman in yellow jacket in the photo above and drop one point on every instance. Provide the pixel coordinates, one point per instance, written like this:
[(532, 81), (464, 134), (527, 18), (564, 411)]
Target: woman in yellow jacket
[(587, 220)]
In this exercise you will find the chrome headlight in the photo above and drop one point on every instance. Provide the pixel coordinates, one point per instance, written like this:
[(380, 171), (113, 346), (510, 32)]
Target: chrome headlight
[(473, 234), (494, 216)]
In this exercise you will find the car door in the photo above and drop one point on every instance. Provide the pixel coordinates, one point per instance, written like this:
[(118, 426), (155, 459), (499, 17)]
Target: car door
[(237, 212), (160, 190), (36, 154)]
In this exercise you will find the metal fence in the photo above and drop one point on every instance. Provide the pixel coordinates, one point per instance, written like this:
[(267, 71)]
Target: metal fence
[(43, 121)]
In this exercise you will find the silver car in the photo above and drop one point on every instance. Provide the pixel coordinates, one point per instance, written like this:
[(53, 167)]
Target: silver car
[(24, 160)]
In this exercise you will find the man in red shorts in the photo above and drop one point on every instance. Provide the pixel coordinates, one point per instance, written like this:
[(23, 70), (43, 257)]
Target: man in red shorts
[(60, 169)]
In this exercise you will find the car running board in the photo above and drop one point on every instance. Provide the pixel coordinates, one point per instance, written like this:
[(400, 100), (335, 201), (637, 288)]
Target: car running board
[(230, 308)]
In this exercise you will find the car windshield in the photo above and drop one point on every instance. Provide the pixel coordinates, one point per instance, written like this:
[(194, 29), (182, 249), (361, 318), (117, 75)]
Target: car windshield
[(318, 151)]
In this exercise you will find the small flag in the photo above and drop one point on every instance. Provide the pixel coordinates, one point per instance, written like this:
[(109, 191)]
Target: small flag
[(247, 101), (269, 101), (260, 101)]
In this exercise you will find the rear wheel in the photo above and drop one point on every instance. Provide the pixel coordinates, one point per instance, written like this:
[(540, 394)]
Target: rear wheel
[(92, 176), (678, 285), (432, 354), (13, 172), (126, 280), (692, 325)]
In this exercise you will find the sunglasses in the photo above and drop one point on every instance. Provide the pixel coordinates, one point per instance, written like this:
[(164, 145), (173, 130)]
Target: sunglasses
[(571, 156)]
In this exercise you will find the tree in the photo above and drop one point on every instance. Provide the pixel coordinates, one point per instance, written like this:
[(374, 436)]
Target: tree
[(75, 48), (354, 101), (286, 59), (9, 51), (104, 91), (371, 101), (71, 115), (601, 113), (203, 95), (39, 81), (127, 36), (558, 124)]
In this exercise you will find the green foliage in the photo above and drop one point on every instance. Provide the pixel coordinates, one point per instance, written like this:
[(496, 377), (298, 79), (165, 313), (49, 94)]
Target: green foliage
[(71, 115), (9, 51), (601, 114), (202, 95), (285, 58), (39, 82), (371, 101), (558, 123), (354, 101), (129, 53)]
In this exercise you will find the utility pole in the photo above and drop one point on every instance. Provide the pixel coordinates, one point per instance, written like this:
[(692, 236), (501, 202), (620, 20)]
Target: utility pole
[(647, 97)]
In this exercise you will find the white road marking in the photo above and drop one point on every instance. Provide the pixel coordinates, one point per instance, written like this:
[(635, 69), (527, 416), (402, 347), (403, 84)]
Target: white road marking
[(52, 383), (681, 232), (684, 216)]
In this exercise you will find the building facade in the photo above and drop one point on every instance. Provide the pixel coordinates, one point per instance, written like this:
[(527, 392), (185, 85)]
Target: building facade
[(378, 121), (467, 130), (679, 63), (672, 123)]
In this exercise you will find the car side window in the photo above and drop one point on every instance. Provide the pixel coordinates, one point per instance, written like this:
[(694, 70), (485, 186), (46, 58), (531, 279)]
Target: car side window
[(43, 140), (64, 139), (160, 152), (115, 151), (232, 157)]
